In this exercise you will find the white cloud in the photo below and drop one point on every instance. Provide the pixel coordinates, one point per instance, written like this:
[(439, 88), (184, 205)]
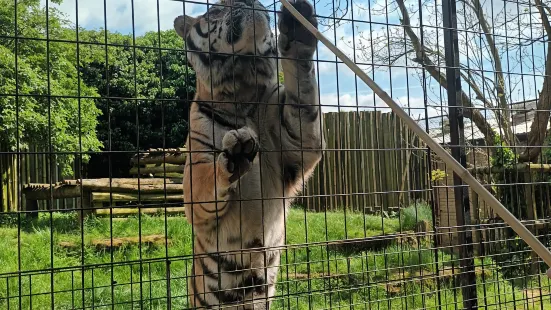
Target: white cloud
[(92, 13)]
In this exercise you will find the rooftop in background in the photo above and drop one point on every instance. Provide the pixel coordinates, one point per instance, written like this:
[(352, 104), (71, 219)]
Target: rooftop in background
[(523, 114)]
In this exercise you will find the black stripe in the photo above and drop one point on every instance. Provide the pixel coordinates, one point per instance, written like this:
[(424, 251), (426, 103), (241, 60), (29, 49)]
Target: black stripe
[(215, 210), (253, 283), (290, 173), (269, 52), (236, 239), (225, 264), (225, 296), (203, 161), (201, 134), (196, 296), (274, 91), (219, 118), (206, 270), (203, 57), (235, 31), (190, 45), (200, 31), (205, 143), (285, 124), (255, 243)]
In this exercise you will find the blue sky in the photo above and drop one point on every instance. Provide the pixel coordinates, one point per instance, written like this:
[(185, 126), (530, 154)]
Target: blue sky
[(338, 85)]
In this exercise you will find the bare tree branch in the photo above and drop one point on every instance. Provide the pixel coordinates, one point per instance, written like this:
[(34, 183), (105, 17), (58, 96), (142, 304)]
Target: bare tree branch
[(503, 115), (538, 129), (422, 58)]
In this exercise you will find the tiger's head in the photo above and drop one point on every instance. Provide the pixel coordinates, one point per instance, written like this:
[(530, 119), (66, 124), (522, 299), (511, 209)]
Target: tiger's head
[(231, 42)]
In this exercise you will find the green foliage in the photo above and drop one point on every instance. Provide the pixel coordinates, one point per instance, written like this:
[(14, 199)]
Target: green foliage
[(161, 81), (414, 214), (280, 77), (513, 252), (438, 175), (46, 113), (146, 81), (504, 156)]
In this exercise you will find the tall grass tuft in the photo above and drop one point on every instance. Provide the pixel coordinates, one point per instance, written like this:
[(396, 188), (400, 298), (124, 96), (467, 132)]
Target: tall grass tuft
[(414, 214)]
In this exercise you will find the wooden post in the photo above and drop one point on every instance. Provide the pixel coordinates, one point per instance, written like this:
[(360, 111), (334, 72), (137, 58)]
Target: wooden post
[(31, 207), (86, 205), (531, 212)]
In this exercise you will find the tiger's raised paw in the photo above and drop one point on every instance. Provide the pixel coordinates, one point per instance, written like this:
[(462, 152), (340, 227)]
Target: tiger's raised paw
[(239, 151), (292, 35)]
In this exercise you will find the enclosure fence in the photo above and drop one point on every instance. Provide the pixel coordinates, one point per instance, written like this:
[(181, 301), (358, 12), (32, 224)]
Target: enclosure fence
[(95, 113)]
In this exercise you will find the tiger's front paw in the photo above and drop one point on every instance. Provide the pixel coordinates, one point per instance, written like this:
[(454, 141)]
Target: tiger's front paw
[(295, 39), (239, 151)]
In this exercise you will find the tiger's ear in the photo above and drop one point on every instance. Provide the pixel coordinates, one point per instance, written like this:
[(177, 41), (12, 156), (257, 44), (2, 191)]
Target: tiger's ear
[(182, 25)]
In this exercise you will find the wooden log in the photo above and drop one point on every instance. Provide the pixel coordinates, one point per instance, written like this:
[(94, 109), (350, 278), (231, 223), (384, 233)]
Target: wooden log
[(117, 181), (522, 167), (177, 177), (74, 191), (129, 197), (157, 169), (32, 207), (130, 211), (48, 191), (160, 156), (134, 188)]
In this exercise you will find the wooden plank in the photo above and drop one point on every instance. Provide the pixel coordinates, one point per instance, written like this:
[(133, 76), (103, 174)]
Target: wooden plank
[(331, 199), (71, 191), (163, 168), (345, 164), (57, 192), (131, 211), (531, 213), (369, 164), (354, 124), (128, 197), (338, 161), (119, 181), (160, 156), (326, 174)]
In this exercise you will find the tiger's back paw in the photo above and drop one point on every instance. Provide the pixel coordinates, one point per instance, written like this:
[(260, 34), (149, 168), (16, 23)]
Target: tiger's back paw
[(239, 151)]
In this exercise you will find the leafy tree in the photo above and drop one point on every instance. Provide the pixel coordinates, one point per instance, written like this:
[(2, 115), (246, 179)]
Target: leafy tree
[(134, 92), (147, 85), (46, 113)]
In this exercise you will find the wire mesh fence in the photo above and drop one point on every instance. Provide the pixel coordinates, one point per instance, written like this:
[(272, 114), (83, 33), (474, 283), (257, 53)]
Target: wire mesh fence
[(150, 159)]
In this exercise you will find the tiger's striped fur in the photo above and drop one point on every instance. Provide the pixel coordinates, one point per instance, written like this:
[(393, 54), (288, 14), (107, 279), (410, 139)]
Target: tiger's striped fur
[(253, 144)]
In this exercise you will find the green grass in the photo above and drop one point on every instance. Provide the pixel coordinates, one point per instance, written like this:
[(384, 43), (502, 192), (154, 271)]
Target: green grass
[(311, 274), (413, 214)]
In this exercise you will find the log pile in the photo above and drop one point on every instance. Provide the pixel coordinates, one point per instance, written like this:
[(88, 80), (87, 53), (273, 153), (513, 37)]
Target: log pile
[(167, 165), (159, 163), (160, 156)]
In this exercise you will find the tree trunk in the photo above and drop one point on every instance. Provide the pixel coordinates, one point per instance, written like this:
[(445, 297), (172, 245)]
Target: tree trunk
[(538, 129), (423, 59)]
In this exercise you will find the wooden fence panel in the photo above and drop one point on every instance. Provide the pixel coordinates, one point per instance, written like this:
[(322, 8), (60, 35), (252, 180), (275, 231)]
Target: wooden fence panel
[(32, 166), (368, 166), (370, 163)]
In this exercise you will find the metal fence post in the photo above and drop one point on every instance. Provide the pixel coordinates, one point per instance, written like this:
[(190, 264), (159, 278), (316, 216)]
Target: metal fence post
[(467, 277)]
